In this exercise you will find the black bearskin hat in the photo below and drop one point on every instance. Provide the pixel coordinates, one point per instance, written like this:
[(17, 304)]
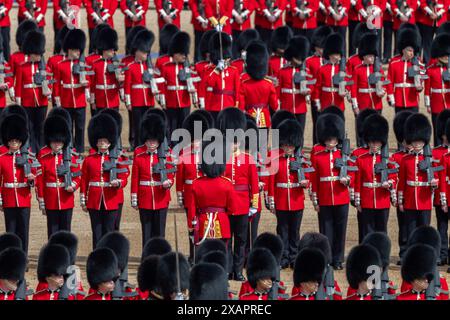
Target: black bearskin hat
[(261, 264), (231, 118), (207, 115), (441, 121), (217, 257), (60, 112), (204, 43), (9, 240), (358, 261), (361, 118), (56, 130), (16, 109), (245, 38), (13, 263), (330, 126), (360, 31), (119, 244), (447, 128), (147, 273), (107, 39), (214, 47), (272, 242), (34, 43), (332, 109), (419, 262), (298, 49), (153, 126), (443, 28), (426, 235), (22, 30), (102, 126), (281, 115), (417, 128), (116, 116), (381, 242), (167, 274), (368, 45), (376, 128), (54, 259), (129, 42), (334, 44), (319, 36), (316, 240), (440, 46), (310, 265), (216, 166), (101, 266), (399, 124), (208, 281), (143, 41), (68, 240), (257, 60), (156, 246), (94, 36), (408, 38), (194, 120), (59, 41), (14, 126), (180, 43), (291, 133), (165, 35), (280, 38), (210, 245), (75, 39)]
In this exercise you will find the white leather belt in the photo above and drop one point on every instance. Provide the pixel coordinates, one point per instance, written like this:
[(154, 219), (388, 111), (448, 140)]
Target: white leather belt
[(150, 183), (72, 85), (11, 185), (328, 179), (286, 90), (55, 185), (99, 184), (404, 85), (443, 90), (287, 185), (330, 89), (188, 181), (31, 86), (176, 88), (105, 87), (372, 184), (417, 183), (367, 90), (140, 86)]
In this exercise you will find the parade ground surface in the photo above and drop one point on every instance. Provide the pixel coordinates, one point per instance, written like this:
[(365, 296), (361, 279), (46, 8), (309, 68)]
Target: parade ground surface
[(130, 224)]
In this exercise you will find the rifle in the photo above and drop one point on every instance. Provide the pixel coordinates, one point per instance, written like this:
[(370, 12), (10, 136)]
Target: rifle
[(301, 78), (3, 75), (376, 76), (120, 286), (185, 74), (30, 5), (22, 161), (160, 167), (40, 78), (337, 7), (446, 73), (201, 8), (239, 7), (342, 163), (111, 165), (382, 167), (64, 4), (80, 69), (97, 6), (339, 78), (70, 288), (64, 169), (434, 286), (167, 7), (116, 66), (131, 4), (21, 292), (426, 165), (148, 77), (402, 6), (416, 72), (297, 165)]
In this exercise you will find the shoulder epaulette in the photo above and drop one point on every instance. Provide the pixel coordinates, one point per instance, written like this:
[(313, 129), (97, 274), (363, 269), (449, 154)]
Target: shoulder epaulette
[(226, 178)]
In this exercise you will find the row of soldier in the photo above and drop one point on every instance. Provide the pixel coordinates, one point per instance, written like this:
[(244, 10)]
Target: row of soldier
[(165, 274)]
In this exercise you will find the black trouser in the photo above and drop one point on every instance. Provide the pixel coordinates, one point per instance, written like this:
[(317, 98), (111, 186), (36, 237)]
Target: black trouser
[(252, 232), (374, 220), (55, 35), (176, 117), (197, 38), (214, 114), (90, 39), (118, 218), (304, 32), (359, 221), (352, 24), (153, 223), (387, 39), (235, 49), (402, 235), (137, 114), (131, 136), (413, 219), (437, 140), (17, 221), (36, 117), (333, 224), (237, 242), (442, 227), (266, 35), (127, 29), (427, 33), (288, 228), (6, 32), (78, 116), (102, 222), (58, 220), (301, 118), (314, 116), (343, 32), (400, 109)]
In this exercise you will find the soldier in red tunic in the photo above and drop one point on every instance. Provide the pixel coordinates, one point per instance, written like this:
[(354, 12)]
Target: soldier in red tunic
[(5, 26), (304, 17), (134, 12), (151, 178), (64, 14), (7, 85), (165, 36), (55, 195), (360, 259), (15, 181), (416, 187), (208, 281), (372, 194), (240, 46), (13, 263), (309, 269), (418, 266), (33, 10), (200, 24), (102, 177), (102, 271), (242, 11), (268, 17), (219, 14), (18, 57), (98, 12), (53, 262), (57, 57), (168, 12), (278, 44)]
